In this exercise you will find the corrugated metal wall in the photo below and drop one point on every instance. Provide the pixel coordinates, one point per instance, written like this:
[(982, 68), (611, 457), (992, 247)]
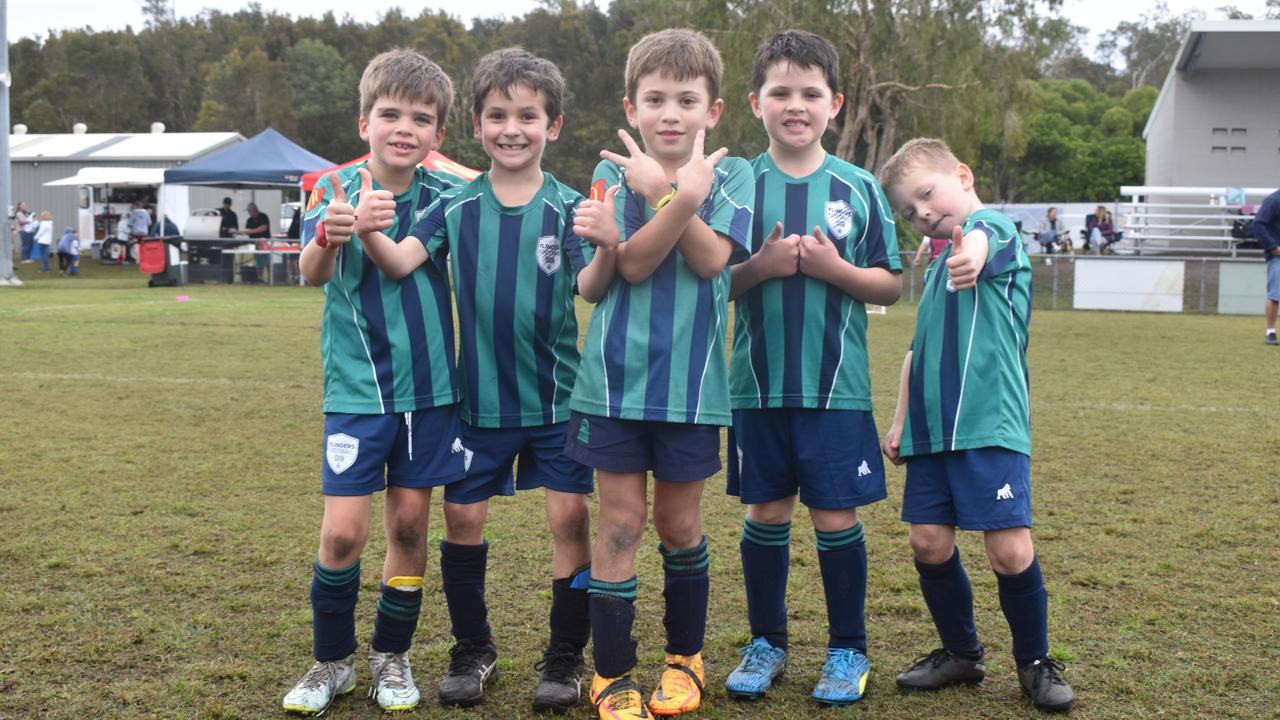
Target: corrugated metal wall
[(29, 178)]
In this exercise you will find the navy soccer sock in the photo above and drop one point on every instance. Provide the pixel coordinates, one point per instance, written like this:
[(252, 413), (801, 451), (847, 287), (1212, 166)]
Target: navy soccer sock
[(613, 612), (1026, 606), (685, 588), (398, 608), (949, 596), (333, 610), (462, 569), (766, 559), (842, 557), (570, 613)]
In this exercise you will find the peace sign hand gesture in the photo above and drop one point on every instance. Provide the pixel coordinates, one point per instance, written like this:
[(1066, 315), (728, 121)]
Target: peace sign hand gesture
[(645, 176)]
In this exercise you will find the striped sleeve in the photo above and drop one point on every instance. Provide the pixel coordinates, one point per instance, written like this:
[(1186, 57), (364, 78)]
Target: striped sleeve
[(730, 207)]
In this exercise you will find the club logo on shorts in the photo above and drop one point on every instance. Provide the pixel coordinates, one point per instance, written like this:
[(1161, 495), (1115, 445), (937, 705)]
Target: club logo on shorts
[(864, 469), (584, 432), (549, 253), (839, 219), (1005, 493), (341, 451)]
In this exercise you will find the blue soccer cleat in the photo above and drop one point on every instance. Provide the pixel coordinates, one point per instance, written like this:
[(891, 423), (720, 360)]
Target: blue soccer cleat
[(761, 664), (844, 677)]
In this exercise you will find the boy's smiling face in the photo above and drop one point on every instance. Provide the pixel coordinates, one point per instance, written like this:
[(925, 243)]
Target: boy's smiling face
[(796, 104), (669, 113), (935, 201), (515, 130), (400, 133)]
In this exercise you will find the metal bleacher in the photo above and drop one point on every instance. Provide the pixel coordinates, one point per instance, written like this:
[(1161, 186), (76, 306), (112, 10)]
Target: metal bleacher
[(1178, 224)]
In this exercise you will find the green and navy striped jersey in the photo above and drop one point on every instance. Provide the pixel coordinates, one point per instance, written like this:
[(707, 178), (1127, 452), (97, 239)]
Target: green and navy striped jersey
[(797, 341), (387, 345), (655, 349), (968, 386), (514, 274)]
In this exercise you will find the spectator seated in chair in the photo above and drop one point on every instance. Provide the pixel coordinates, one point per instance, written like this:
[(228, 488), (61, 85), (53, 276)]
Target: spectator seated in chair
[(1052, 235), (1099, 231)]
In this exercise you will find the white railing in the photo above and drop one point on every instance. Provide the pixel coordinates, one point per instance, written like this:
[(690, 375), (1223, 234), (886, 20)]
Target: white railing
[(1186, 220)]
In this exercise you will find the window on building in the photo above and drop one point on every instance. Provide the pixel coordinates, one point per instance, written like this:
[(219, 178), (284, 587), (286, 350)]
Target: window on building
[(1239, 132), (1237, 150), (1219, 132), (1218, 150)]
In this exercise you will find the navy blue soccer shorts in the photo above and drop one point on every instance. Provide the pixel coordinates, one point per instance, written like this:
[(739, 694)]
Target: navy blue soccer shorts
[(490, 453), (830, 457), (367, 453), (674, 452), (981, 489)]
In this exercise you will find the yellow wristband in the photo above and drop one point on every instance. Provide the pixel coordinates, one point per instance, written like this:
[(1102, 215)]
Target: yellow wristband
[(662, 201)]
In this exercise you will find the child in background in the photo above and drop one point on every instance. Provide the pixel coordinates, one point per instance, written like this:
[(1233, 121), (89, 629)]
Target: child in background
[(68, 252)]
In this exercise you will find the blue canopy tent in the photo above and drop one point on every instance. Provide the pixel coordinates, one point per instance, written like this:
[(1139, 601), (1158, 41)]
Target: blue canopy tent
[(267, 159)]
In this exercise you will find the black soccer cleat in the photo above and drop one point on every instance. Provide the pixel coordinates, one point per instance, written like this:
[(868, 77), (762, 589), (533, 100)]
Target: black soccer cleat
[(1042, 682), (941, 668), (472, 666), (559, 687)]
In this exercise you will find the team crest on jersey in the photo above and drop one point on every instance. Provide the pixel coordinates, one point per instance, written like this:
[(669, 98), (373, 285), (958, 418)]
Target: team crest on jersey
[(839, 219), (549, 253), (341, 452)]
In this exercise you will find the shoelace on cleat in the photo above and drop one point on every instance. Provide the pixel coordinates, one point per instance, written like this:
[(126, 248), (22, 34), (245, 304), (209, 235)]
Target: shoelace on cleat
[(754, 657), (935, 658), (560, 662), (623, 694), (394, 672), (1052, 670), (465, 657), (320, 674), (839, 665)]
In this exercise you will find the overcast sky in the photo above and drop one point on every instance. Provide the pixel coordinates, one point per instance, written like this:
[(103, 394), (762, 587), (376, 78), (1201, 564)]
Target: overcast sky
[(31, 18)]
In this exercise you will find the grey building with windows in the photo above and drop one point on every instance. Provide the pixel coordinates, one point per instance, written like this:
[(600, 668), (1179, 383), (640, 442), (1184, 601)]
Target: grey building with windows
[(1217, 120)]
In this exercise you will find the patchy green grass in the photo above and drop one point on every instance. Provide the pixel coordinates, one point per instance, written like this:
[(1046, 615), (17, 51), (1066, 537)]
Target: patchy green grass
[(162, 506)]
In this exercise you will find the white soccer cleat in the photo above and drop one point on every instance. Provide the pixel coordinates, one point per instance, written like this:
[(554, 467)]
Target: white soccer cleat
[(324, 682), (393, 685)]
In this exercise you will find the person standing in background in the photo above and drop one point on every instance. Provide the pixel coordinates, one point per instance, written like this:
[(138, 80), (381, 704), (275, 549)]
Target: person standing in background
[(230, 221), (1266, 228), (43, 240), (25, 221)]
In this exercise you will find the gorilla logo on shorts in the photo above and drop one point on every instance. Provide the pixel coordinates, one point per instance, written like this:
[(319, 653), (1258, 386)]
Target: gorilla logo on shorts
[(341, 452)]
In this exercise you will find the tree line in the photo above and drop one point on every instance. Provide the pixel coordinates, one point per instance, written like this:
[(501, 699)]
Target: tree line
[(1006, 82)]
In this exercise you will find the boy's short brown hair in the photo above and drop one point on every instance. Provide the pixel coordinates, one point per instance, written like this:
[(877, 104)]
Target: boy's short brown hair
[(503, 69), (800, 48), (679, 54), (406, 75), (930, 153)]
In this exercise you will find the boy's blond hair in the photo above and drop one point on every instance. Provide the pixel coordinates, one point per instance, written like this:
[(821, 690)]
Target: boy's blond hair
[(929, 153), (679, 54), (404, 74)]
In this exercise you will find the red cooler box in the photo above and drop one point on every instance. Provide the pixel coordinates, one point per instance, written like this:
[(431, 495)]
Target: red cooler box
[(151, 258)]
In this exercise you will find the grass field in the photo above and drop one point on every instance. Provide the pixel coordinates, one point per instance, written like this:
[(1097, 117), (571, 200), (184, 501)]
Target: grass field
[(161, 509)]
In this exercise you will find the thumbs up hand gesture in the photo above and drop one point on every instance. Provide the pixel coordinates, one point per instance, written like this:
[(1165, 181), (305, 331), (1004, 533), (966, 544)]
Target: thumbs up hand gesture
[(594, 219), (818, 255), (339, 216), (376, 210), (779, 257), (967, 258)]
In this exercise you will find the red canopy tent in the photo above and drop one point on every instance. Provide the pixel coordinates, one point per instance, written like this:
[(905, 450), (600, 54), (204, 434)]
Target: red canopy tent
[(434, 161)]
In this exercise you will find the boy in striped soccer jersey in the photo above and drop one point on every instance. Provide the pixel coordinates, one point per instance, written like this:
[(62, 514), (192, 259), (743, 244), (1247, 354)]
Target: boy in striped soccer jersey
[(516, 236), (391, 415), (823, 243), (962, 425), (652, 392)]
